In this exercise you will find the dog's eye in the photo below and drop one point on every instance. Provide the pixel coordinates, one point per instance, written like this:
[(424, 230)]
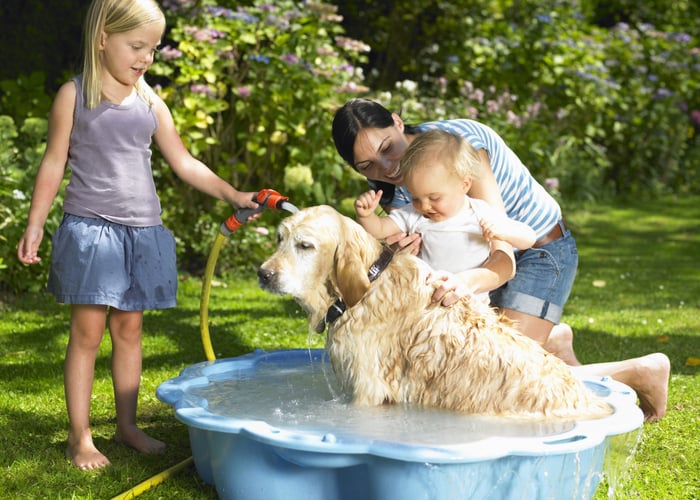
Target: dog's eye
[(305, 245)]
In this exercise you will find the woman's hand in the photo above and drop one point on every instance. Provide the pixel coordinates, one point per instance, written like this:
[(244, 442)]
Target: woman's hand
[(449, 288), (403, 242)]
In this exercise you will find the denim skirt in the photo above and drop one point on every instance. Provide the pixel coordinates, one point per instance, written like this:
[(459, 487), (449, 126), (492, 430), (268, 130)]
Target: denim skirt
[(95, 261)]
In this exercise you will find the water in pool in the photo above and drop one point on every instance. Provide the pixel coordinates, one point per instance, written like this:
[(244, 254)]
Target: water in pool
[(306, 396), (271, 425)]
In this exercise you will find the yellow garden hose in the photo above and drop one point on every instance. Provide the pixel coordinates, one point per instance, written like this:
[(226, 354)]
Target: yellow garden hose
[(206, 291), (153, 481), (267, 198)]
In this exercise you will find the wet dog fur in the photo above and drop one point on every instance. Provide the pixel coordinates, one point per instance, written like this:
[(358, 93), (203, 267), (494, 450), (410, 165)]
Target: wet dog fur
[(393, 345)]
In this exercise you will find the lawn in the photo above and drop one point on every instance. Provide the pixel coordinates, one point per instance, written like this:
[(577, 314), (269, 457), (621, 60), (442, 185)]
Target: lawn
[(638, 291)]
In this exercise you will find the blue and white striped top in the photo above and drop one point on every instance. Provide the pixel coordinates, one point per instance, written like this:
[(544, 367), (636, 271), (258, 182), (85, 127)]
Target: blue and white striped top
[(525, 199)]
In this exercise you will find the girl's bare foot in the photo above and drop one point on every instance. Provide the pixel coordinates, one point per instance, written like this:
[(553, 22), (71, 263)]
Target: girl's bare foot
[(652, 387), (84, 455), (139, 440), (561, 343)]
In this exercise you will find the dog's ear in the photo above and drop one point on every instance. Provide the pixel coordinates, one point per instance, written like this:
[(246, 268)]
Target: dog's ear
[(351, 276), (350, 264)]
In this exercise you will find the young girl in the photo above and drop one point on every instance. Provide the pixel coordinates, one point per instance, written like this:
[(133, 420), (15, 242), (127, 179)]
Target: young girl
[(455, 229), (112, 257)]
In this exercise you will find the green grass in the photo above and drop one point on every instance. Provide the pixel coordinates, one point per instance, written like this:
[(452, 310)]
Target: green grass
[(638, 291)]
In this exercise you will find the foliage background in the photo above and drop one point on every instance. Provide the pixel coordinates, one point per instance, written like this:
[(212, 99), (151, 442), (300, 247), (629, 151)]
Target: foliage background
[(598, 98)]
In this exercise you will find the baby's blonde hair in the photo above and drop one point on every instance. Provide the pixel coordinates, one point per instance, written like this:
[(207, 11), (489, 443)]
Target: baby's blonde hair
[(456, 153), (113, 16)]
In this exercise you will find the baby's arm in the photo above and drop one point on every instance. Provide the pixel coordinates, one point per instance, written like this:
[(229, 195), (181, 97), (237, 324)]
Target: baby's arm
[(379, 227), (515, 233)]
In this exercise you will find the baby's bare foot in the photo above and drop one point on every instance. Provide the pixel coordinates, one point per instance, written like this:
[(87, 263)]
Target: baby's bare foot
[(84, 455), (139, 440), (652, 389)]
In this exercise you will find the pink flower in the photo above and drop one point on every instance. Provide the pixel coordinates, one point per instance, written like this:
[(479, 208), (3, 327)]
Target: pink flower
[(551, 183), (243, 91)]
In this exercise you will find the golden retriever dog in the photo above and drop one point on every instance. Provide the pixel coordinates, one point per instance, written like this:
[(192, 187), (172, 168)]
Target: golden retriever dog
[(393, 345)]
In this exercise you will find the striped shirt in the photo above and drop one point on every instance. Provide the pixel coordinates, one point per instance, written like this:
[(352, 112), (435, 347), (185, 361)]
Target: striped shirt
[(524, 198)]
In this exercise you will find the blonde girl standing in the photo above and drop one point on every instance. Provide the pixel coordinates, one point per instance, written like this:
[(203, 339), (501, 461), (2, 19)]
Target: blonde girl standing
[(112, 258)]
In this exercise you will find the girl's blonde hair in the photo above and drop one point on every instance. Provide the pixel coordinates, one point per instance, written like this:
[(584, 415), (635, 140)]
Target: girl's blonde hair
[(451, 150), (112, 16)]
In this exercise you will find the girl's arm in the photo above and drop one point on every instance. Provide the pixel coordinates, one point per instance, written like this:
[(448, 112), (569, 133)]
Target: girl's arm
[(188, 168), (50, 174)]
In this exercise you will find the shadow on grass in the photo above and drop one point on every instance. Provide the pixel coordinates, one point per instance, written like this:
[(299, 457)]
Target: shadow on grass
[(596, 346)]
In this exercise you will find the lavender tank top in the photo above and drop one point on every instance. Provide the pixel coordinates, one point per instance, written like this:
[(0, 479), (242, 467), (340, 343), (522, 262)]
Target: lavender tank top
[(110, 160)]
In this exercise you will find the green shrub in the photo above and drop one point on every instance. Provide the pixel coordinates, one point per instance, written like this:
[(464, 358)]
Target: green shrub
[(594, 107), (252, 90), (20, 153), (614, 102)]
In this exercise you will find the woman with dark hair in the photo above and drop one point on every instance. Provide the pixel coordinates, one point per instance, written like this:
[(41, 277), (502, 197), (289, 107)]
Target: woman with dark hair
[(529, 286)]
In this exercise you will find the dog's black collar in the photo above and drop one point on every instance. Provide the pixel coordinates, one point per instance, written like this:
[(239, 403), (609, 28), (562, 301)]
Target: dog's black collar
[(338, 307)]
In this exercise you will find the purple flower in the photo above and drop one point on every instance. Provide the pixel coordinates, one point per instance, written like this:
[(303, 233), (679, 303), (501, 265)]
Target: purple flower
[(695, 117), (290, 59), (662, 93)]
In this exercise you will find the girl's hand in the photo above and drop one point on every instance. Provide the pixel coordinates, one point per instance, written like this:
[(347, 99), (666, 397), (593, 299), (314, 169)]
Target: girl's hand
[(29, 245), (243, 199), (367, 203), (449, 289)]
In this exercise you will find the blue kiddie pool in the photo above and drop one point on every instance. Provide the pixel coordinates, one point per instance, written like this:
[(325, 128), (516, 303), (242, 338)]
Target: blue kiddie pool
[(273, 425)]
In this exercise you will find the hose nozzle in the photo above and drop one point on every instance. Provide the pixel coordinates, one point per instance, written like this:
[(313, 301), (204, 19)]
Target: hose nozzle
[(266, 198)]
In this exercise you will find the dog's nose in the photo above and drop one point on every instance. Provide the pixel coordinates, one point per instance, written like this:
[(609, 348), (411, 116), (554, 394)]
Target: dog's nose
[(265, 275)]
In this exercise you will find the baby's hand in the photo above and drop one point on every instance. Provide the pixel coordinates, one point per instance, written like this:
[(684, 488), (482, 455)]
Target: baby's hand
[(367, 203), (491, 229)]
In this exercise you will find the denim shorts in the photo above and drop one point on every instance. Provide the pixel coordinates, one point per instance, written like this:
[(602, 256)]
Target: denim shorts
[(543, 280), (95, 261)]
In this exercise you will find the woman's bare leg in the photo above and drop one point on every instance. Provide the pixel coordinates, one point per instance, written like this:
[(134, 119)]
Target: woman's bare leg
[(557, 339), (647, 375)]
